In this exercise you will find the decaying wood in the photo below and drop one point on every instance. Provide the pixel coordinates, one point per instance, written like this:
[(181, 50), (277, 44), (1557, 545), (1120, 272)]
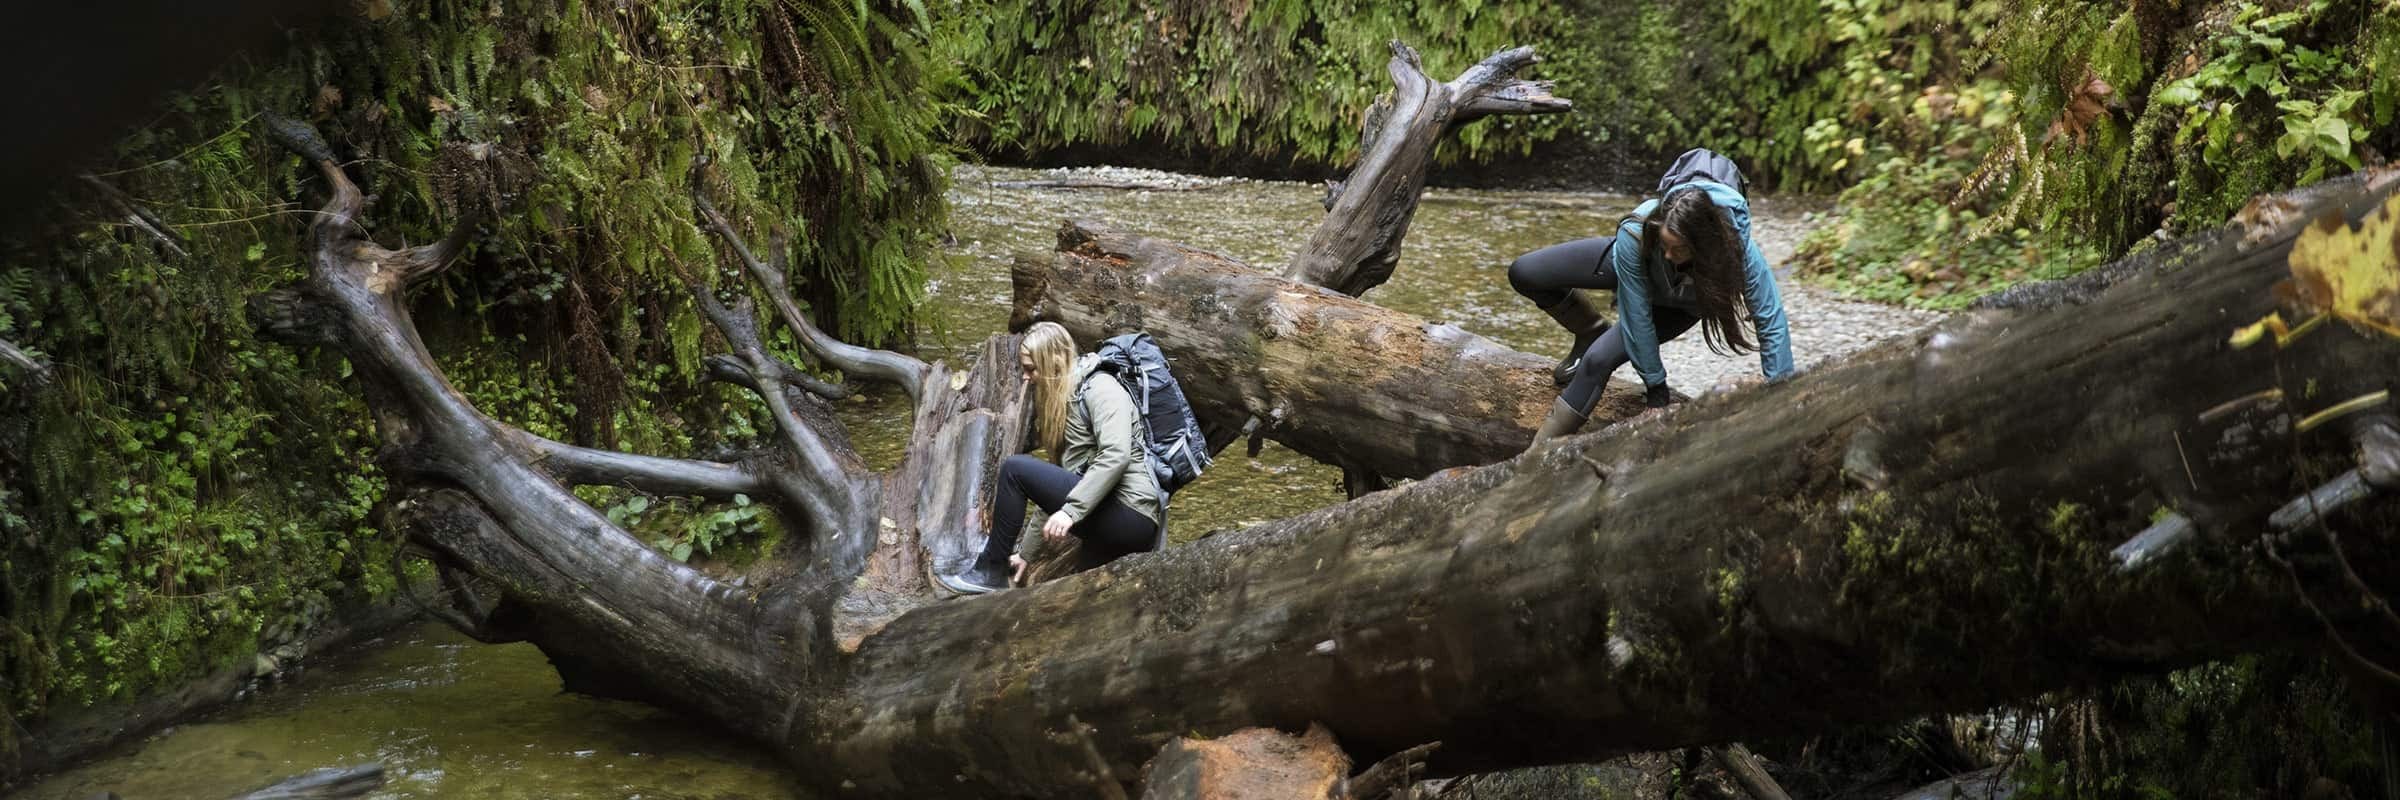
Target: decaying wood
[(1334, 378), (1754, 780), (1393, 777), (1249, 764), (1695, 578)]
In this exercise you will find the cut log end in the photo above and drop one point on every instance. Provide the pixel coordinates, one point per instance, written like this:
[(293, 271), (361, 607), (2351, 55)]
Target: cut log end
[(1249, 763)]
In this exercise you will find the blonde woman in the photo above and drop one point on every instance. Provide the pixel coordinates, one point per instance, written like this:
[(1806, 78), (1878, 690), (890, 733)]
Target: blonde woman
[(1101, 491)]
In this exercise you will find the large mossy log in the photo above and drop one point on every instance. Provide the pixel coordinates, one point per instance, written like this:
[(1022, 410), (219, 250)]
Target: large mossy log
[(1925, 528), (1337, 379)]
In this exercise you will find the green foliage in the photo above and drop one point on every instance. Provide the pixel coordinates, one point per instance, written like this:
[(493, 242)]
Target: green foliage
[(1286, 81), (1900, 237), (2269, 95), (2317, 92), (2277, 725), (186, 488), (683, 528), (1275, 80)]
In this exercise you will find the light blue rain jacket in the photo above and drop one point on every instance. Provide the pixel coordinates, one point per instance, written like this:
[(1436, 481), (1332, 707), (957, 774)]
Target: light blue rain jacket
[(1640, 286)]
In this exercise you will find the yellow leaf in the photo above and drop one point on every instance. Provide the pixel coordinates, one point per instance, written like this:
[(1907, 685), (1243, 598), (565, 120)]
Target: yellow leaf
[(2351, 272)]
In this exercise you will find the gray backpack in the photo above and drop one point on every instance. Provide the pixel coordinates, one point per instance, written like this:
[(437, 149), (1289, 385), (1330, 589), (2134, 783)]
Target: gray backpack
[(1701, 164)]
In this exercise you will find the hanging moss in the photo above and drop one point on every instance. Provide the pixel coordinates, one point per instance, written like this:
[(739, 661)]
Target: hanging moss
[(1275, 80), (186, 491)]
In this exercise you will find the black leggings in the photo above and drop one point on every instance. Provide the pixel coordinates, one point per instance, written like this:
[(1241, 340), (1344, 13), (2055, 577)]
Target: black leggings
[(1544, 276), (1110, 532)]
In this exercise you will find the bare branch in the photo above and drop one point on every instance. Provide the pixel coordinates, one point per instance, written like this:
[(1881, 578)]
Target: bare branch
[(866, 363), (34, 367), (584, 466), (732, 370), (339, 218), (1491, 87), (427, 260), (812, 385), (1514, 97), (137, 216), (829, 466)]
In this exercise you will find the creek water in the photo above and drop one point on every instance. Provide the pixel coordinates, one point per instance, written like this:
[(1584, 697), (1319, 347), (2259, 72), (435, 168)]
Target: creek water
[(451, 718)]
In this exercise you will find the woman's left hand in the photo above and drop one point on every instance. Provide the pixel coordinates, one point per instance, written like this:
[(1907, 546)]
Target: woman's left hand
[(1056, 528)]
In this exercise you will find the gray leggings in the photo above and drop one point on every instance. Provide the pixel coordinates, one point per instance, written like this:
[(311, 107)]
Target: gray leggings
[(1544, 276)]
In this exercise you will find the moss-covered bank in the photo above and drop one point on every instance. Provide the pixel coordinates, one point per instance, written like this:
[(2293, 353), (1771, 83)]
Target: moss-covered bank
[(185, 495)]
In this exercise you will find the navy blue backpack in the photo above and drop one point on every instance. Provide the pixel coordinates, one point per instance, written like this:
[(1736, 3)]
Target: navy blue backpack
[(1178, 451)]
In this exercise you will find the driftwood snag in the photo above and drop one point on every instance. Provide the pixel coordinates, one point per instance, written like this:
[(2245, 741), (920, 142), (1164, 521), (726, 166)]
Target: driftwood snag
[(1367, 213)]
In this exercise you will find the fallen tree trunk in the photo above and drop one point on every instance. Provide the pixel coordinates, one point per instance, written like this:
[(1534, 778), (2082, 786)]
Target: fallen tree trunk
[(1907, 533), (1386, 394), (1337, 379)]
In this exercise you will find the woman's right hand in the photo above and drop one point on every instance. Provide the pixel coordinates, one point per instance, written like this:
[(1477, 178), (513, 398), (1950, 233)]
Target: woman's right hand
[(1016, 569)]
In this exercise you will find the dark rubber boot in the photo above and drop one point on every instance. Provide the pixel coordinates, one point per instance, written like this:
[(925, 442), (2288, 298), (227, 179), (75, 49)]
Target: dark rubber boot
[(1580, 317)]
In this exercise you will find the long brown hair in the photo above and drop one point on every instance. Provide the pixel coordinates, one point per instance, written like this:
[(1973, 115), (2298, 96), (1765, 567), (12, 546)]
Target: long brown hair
[(1053, 353), (1716, 267)]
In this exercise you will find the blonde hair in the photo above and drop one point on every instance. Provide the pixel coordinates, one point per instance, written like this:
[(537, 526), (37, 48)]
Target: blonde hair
[(1053, 353)]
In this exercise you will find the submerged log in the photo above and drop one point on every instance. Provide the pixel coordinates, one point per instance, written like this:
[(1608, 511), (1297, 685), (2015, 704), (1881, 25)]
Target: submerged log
[(1716, 573), (1334, 378), (330, 783)]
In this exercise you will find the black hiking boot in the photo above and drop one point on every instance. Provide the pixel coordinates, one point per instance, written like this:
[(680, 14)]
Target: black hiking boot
[(976, 580)]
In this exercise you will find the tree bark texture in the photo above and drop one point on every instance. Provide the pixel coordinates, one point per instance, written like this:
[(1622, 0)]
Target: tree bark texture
[(1249, 764), (1334, 378), (1925, 528)]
